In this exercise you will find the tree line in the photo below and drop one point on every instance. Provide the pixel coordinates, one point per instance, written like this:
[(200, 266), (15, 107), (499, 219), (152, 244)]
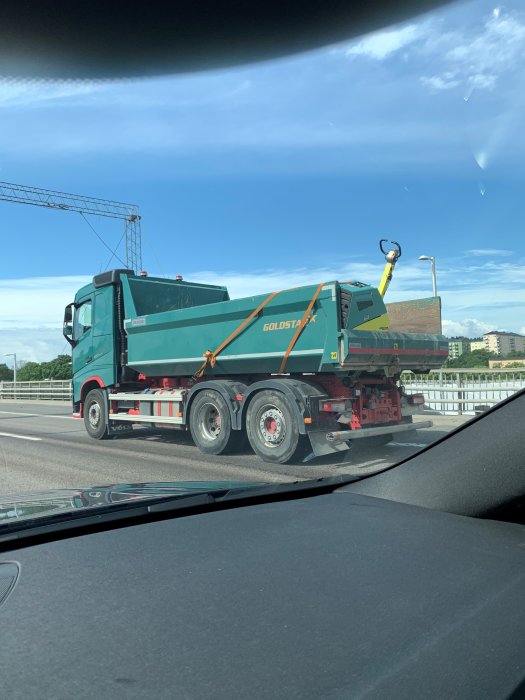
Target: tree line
[(59, 368), (480, 358)]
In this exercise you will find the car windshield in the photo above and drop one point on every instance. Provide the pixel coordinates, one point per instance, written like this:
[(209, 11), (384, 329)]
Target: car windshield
[(303, 267)]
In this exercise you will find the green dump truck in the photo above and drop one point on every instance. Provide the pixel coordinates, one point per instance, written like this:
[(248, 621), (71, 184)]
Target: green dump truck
[(298, 372)]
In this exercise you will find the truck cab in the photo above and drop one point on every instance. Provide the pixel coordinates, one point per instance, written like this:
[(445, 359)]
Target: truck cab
[(94, 339)]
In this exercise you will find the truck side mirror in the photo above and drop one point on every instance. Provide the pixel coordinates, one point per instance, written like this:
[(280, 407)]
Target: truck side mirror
[(67, 329)]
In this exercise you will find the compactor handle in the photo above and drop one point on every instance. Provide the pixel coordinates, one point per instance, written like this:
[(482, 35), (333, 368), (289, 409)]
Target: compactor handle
[(391, 257), (395, 251)]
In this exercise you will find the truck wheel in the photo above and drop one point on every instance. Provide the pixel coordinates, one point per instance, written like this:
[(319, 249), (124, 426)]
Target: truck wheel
[(272, 429), (95, 417), (211, 425)]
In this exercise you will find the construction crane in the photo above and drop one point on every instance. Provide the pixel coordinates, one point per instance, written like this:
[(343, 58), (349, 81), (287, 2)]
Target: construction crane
[(36, 196)]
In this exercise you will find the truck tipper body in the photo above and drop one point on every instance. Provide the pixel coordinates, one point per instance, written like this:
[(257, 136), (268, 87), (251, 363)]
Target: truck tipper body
[(297, 372)]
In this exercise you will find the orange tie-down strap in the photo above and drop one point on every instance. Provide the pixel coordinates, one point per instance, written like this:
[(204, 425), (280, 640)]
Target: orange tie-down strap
[(211, 357), (300, 327)]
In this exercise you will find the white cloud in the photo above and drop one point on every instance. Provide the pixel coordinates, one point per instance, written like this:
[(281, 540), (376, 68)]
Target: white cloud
[(477, 55), (474, 55), (32, 344), (476, 298), (25, 93), (31, 315), (320, 101), (482, 81), (468, 327), (490, 252), (189, 135), (246, 284), (437, 82), (37, 302), (380, 45)]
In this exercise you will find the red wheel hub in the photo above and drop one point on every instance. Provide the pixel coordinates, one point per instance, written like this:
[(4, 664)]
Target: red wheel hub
[(271, 426)]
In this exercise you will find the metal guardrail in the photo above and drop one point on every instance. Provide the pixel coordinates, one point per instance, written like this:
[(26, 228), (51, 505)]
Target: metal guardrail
[(464, 391), (36, 391), (446, 391)]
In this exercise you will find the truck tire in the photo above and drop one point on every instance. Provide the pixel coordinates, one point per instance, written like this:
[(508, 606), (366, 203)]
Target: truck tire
[(272, 428), (211, 424), (95, 415)]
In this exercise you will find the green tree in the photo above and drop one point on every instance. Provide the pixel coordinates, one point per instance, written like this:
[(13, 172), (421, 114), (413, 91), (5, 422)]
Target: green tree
[(59, 368), (30, 372), (515, 354), (6, 374), (477, 358)]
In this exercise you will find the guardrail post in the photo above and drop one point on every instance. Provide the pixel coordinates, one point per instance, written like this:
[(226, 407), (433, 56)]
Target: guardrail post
[(459, 379)]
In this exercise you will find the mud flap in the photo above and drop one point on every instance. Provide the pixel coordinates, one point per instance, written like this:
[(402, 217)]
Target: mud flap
[(321, 446), (116, 428)]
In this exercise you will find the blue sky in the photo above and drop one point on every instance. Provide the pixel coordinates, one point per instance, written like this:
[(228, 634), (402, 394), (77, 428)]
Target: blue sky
[(285, 172)]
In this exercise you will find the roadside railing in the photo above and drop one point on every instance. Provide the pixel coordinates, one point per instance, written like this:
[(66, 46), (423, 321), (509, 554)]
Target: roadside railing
[(451, 392), (469, 391), (36, 391)]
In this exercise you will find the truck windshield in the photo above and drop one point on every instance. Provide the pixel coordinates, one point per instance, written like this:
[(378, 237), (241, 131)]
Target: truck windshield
[(82, 319)]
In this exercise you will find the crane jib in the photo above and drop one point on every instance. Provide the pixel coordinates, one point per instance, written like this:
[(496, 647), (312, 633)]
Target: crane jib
[(50, 199)]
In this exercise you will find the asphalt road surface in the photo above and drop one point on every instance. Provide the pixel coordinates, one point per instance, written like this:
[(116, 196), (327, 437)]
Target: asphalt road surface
[(43, 447)]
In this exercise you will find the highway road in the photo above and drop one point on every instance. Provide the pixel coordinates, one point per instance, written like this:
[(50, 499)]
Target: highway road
[(43, 447)]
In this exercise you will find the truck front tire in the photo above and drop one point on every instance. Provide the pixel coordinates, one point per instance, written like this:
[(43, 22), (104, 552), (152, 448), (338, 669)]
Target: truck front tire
[(272, 428), (95, 415), (211, 424)]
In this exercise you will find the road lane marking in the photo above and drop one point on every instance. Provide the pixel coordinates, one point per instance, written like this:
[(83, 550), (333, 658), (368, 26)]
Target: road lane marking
[(21, 437), (369, 463), (409, 444), (17, 413), (37, 415)]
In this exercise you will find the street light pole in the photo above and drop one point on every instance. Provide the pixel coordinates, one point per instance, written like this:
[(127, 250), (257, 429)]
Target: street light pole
[(13, 355), (433, 268)]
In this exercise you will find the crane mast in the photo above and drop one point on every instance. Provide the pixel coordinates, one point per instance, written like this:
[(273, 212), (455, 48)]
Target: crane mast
[(129, 213)]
